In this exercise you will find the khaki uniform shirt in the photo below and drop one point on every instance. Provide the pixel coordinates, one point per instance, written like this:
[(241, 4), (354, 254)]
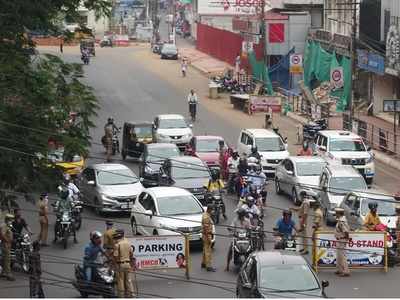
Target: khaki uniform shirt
[(43, 209), (342, 227), (123, 251), (108, 240), (207, 225), (6, 236), (317, 220)]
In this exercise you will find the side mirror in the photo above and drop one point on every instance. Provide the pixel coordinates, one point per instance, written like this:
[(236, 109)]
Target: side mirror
[(141, 179), (322, 148), (247, 286), (91, 182), (286, 146), (149, 213), (325, 283), (290, 173), (369, 148), (190, 125)]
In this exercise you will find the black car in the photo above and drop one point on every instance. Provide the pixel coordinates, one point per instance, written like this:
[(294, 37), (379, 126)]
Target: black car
[(276, 274), (151, 160), (186, 172)]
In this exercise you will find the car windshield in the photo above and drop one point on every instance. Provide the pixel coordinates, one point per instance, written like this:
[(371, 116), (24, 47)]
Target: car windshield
[(59, 155), (386, 207), (269, 144), (143, 132), (313, 168), (284, 278), (342, 185), (178, 205), (172, 123), (161, 153), (116, 177), (346, 145), (207, 145), (189, 170), (169, 47)]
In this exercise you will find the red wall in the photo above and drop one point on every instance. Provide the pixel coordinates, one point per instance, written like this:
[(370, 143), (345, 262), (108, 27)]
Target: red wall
[(221, 44)]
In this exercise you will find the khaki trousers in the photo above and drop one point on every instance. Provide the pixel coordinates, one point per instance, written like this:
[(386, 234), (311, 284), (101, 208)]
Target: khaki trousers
[(341, 260), (206, 253), (44, 229), (6, 261), (304, 238), (124, 281)]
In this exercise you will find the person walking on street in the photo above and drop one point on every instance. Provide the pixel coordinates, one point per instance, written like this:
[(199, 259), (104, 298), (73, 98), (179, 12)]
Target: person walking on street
[(184, 67), (342, 235), (123, 258), (207, 225), (6, 237), (108, 238), (43, 219), (35, 271), (398, 229), (303, 212), (192, 101), (108, 136), (61, 44)]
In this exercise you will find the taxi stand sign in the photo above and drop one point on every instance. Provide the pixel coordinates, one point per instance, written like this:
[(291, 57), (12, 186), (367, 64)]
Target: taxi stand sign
[(365, 250), (161, 252)]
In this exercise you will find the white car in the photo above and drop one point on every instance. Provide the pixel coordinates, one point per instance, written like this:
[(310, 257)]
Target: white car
[(168, 211), (269, 144), (346, 148), (172, 129)]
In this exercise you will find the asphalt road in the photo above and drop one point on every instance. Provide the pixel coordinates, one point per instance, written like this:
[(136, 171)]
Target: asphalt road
[(132, 89)]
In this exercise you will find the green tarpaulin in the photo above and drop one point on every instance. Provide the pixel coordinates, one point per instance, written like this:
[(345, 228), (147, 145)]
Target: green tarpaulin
[(260, 71), (318, 64)]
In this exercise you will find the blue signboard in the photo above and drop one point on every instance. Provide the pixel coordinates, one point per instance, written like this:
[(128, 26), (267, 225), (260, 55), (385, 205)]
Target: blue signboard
[(371, 62)]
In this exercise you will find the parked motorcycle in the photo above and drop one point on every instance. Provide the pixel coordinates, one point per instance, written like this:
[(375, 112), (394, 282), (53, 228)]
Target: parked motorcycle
[(102, 284), (242, 246), (311, 129)]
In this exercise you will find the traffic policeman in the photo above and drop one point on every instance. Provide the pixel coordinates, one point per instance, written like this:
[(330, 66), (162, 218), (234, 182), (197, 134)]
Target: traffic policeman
[(303, 212), (6, 244), (43, 219), (318, 216), (108, 238), (207, 226), (342, 235), (123, 258)]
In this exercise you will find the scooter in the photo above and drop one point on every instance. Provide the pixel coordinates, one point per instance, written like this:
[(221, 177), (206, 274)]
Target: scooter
[(102, 284)]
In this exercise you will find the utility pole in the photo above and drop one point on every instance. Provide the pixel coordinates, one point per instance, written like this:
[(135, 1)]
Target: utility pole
[(353, 52), (264, 41)]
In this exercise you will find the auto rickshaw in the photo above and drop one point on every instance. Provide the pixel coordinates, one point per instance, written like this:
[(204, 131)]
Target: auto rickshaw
[(88, 44), (134, 136)]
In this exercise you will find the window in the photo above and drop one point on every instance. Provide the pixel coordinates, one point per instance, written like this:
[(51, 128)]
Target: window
[(142, 199), (319, 140), (147, 202), (250, 141), (349, 201), (324, 180), (356, 204), (276, 33), (324, 141), (243, 139), (288, 165), (88, 174)]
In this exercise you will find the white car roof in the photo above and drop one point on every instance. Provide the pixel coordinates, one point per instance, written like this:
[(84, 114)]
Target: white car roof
[(310, 159), (171, 116), (343, 134), (261, 133), (108, 167), (343, 171), (374, 194), (165, 191)]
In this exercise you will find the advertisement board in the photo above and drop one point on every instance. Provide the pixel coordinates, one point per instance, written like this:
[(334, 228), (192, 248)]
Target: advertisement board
[(365, 249), (161, 252), (231, 7), (264, 104), (337, 81)]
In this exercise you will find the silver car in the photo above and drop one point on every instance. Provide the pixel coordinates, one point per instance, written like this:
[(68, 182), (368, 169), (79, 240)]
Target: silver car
[(298, 173), (109, 187)]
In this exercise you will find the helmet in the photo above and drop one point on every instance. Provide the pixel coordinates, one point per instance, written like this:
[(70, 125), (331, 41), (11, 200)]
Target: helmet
[(258, 169), (8, 217), (95, 235), (372, 205), (119, 233), (214, 174), (235, 153), (252, 161), (254, 149), (110, 120), (287, 213), (253, 189), (241, 212), (305, 145), (43, 195), (250, 200), (64, 192)]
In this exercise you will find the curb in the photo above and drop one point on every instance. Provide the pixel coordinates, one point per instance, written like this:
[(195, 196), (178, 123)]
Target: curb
[(395, 163)]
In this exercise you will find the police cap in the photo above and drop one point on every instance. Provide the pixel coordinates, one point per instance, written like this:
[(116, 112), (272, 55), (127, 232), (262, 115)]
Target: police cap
[(9, 217), (119, 233), (109, 223)]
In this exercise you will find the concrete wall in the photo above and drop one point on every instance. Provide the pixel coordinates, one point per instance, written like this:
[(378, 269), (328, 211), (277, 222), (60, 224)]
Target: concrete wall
[(394, 7), (220, 22), (383, 89), (341, 16)]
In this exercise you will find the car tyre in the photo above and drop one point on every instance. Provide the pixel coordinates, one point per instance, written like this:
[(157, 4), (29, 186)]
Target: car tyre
[(295, 197), (123, 154), (97, 207), (278, 189)]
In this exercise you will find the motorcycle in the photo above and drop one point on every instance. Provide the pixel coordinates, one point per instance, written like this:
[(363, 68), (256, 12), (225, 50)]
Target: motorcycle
[(115, 143), (257, 235), (85, 58), (66, 227), (242, 246), (77, 207), (215, 199), (391, 244), (102, 284), (284, 242), (311, 129), (21, 251)]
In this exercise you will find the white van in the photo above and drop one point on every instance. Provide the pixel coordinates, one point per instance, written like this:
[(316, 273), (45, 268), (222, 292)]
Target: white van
[(269, 144)]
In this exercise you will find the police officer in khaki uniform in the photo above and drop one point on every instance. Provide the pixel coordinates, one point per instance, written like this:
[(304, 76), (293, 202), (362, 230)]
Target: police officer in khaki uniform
[(303, 212), (6, 243), (398, 229), (207, 226), (123, 258), (318, 216), (43, 219), (108, 135), (108, 238), (342, 235)]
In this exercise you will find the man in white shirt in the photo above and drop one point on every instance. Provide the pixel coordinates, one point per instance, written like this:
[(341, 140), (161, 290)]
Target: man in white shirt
[(192, 101)]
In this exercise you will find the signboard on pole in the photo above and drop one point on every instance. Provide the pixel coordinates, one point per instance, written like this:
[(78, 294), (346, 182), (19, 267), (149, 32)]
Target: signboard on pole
[(161, 252), (391, 105), (231, 7), (296, 64), (365, 249), (337, 81), (264, 104)]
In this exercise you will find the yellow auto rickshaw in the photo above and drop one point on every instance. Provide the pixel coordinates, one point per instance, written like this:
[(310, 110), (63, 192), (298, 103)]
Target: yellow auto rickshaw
[(134, 136)]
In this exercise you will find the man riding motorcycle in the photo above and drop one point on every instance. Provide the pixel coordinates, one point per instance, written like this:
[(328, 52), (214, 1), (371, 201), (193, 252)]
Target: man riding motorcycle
[(240, 222), (92, 251), (250, 207), (258, 179), (109, 131), (64, 204), (254, 153), (233, 163), (215, 184), (372, 218), (285, 225), (305, 150), (72, 188), (19, 223), (243, 167)]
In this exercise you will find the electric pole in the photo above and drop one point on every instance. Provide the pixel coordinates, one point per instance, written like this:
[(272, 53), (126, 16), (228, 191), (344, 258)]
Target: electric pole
[(264, 42), (353, 52)]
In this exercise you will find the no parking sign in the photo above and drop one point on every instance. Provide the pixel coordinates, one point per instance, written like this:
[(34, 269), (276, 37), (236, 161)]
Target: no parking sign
[(337, 78), (296, 63)]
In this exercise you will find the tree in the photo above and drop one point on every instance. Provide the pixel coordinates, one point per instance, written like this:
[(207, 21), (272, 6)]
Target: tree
[(38, 93)]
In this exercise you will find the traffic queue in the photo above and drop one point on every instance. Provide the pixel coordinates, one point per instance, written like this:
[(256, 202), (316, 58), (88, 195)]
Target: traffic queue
[(177, 167)]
